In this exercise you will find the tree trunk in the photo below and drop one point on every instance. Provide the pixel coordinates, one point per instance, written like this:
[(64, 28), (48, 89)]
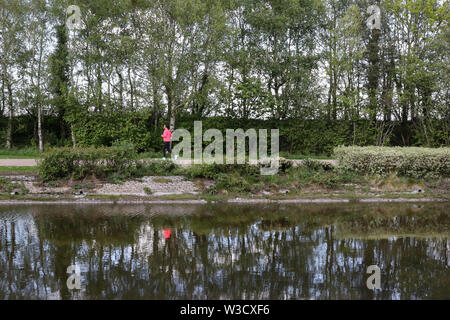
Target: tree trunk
[(41, 143), (155, 105), (3, 107), (131, 89), (373, 73), (10, 117), (169, 102), (74, 144)]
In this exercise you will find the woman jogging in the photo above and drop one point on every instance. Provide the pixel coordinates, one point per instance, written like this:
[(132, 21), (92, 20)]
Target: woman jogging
[(167, 137)]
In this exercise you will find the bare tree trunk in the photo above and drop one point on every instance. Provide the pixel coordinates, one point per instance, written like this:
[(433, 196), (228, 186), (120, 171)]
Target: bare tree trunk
[(131, 89), (3, 106), (155, 105), (170, 102), (39, 104), (74, 143), (172, 124), (10, 117), (172, 120), (41, 142), (119, 74)]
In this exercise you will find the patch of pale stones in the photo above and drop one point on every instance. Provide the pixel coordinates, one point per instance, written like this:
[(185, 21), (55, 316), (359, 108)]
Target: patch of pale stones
[(157, 185), (37, 189), (177, 185)]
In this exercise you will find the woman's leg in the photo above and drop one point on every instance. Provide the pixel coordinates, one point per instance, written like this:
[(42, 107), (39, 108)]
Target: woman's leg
[(166, 147)]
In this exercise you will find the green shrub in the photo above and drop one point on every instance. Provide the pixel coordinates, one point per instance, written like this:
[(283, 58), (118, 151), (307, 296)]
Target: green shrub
[(78, 163), (211, 171), (233, 182), (326, 179), (311, 164), (157, 168), (147, 190), (412, 162)]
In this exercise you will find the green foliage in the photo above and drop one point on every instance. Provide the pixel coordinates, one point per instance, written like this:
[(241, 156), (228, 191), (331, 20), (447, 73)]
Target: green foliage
[(79, 163), (212, 171), (112, 126), (234, 182), (157, 168), (124, 85), (411, 162), (314, 173), (147, 190), (300, 137), (246, 178)]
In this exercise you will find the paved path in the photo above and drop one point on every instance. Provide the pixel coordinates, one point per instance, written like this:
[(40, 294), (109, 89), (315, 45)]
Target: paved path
[(184, 163)]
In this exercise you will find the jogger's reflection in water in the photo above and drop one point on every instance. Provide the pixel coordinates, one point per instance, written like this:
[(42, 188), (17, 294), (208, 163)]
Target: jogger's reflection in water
[(167, 233)]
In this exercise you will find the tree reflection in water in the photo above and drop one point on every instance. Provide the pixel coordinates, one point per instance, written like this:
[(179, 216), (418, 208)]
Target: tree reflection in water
[(225, 252)]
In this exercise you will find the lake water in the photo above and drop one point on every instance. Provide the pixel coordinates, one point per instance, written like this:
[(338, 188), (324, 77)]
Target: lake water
[(225, 251)]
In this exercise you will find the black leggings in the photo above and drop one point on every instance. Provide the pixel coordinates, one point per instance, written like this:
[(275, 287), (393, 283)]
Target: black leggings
[(166, 147)]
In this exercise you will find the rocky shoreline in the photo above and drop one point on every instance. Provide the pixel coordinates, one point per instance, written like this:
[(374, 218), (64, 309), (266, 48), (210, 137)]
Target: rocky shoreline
[(228, 201), (179, 190)]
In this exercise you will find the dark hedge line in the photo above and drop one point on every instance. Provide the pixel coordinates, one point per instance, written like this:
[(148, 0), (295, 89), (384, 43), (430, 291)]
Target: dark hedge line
[(310, 137)]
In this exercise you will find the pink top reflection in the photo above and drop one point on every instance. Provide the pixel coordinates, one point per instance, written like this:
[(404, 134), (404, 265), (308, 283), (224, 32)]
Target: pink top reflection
[(167, 233)]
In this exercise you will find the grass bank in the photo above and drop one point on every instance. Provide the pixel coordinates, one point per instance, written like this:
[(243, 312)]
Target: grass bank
[(9, 169), (20, 153)]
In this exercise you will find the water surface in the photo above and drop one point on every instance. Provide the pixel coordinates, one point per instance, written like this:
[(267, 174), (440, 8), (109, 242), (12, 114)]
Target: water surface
[(225, 251)]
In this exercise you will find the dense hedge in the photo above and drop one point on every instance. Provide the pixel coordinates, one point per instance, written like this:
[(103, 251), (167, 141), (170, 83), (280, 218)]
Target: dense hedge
[(310, 137), (79, 163), (408, 161), (321, 136)]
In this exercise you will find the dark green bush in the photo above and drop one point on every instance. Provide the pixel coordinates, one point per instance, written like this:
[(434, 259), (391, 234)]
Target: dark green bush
[(78, 163)]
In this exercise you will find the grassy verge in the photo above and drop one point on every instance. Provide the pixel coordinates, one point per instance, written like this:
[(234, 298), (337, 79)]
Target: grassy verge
[(19, 169), (291, 156), (23, 153)]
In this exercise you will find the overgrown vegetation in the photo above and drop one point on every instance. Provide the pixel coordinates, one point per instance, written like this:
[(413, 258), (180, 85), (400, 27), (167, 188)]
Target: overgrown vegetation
[(6, 186), (246, 178)]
